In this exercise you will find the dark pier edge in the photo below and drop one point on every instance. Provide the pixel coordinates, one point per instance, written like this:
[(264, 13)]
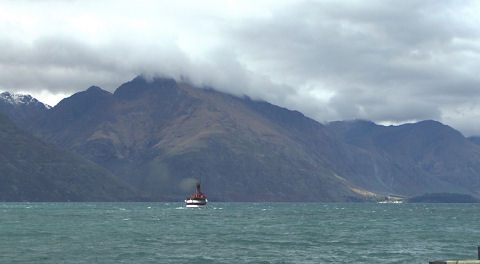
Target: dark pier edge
[(459, 261)]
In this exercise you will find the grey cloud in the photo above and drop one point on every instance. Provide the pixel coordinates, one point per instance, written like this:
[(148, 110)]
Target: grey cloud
[(385, 60), (55, 64), (380, 60), (68, 65)]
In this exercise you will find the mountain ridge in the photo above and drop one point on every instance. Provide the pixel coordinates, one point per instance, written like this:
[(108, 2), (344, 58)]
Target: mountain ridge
[(21, 108), (32, 170), (159, 134), (169, 132), (427, 150)]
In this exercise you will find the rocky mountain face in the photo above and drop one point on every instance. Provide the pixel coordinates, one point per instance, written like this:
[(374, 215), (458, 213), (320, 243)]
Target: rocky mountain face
[(21, 108), (412, 159), (160, 136), (32, 170)]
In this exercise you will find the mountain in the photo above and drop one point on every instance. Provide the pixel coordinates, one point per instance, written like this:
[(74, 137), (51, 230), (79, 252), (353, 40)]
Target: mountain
[(31, 170), (412, 159), (21, 108), (160, 135), (475, 139)]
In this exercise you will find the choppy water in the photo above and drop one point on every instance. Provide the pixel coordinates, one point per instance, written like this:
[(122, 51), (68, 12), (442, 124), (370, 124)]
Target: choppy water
[(237, 233)]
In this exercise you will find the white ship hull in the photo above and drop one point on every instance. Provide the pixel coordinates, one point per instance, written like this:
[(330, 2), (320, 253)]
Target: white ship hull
[(195, 203)]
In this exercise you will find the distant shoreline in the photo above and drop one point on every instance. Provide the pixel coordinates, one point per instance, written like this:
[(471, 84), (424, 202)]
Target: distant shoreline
[(443, 198)]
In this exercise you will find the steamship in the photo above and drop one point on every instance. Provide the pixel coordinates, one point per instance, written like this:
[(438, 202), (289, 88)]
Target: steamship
[(196, 200)]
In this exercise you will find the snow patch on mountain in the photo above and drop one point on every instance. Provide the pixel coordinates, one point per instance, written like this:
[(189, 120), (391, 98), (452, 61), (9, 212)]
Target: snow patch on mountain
[(20, 99)]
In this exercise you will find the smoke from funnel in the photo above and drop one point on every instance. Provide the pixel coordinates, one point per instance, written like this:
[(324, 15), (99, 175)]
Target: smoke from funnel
[(188, 184)]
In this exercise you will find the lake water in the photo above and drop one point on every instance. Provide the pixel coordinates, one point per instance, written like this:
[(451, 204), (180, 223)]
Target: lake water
[(237, 233)]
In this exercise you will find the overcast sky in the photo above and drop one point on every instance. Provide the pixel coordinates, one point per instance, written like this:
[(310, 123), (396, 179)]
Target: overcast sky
[(385, 61)]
